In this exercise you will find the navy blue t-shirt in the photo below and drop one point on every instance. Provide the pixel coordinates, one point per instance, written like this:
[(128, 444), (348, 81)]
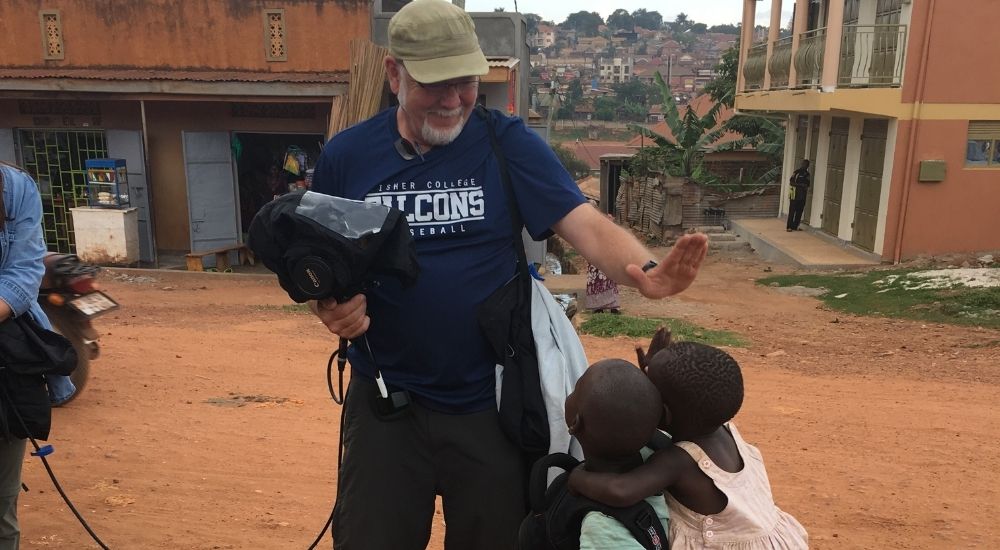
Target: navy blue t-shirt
[(426, 338)]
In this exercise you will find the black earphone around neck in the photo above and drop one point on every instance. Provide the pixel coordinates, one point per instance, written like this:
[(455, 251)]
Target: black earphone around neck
[(407, 149)]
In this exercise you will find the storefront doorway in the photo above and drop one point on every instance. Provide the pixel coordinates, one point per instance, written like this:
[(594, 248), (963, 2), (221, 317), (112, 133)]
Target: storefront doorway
[(270, 165), (55, 158), (873, 141)]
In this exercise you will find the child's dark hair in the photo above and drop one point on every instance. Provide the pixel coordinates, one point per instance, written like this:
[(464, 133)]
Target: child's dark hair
[(701, 385), (621, 407)]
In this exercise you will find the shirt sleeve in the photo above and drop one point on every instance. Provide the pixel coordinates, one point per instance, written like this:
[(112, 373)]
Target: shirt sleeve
[(23, 267), (544, 190)]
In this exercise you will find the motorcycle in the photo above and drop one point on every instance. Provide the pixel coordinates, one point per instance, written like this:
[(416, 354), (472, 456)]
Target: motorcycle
[(70, 297)]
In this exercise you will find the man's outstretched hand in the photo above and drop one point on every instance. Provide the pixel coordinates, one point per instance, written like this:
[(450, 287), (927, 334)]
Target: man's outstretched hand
[(676, 272)]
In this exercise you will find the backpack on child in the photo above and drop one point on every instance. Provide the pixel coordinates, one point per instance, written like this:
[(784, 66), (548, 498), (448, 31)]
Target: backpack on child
[(557, 513)]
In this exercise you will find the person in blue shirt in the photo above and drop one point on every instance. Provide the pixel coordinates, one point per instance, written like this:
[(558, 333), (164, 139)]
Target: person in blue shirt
[(22, 249), (431, 157)]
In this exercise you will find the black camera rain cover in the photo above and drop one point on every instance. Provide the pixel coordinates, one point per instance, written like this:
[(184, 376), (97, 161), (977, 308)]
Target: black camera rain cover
[(351, 241)]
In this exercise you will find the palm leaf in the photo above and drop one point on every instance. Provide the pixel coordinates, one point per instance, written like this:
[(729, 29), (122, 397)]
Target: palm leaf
[(708, 138), (658, 138), (670, 114), (711, 118), (769, 177)]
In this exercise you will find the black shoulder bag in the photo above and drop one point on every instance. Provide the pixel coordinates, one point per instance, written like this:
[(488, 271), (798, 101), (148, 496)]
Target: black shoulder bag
[(27, 353), (505, 318)]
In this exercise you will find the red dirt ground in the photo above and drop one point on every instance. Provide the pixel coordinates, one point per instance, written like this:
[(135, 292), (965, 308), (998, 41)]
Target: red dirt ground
[(207, 424)]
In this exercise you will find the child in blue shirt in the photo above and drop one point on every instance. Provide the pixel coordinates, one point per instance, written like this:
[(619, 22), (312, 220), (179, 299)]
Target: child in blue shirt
[(613, 412)]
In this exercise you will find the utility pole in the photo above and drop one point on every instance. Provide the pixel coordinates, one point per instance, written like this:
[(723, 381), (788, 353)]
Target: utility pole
[(670, 70), (553, 107)]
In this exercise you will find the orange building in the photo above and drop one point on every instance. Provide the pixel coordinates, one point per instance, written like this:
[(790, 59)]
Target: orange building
[(203, 98), (897, 105)]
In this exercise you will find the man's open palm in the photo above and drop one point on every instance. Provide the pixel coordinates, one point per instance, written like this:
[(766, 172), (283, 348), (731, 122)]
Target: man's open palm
[(676, 272)]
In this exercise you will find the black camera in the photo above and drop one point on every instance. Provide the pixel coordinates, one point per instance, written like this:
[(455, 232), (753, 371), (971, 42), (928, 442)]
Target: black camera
[(322, 246)]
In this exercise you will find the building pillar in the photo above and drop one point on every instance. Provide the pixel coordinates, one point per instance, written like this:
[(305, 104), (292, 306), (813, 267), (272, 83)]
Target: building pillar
[(883, 203), (834, 36), (772, 36), (819, 171), (788, 163), (746, 39), (798, 27)]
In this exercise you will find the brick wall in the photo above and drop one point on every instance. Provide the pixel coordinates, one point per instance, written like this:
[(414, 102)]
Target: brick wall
[(761, 203)]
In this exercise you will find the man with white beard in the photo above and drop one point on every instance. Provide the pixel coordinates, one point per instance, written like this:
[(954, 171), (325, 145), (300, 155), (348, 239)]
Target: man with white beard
[(431, 157)]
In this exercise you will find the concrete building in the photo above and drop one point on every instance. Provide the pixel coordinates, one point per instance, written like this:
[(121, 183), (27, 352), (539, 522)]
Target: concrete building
[(205, 104), (543, 37), (200, 102), (614, 70), (898, 113)]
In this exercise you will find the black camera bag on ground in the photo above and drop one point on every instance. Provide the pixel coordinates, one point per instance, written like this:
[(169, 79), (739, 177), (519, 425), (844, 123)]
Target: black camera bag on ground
[(556, 514)]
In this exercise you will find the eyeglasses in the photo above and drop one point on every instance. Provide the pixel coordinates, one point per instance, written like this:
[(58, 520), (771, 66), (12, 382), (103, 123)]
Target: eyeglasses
[(441, 88)]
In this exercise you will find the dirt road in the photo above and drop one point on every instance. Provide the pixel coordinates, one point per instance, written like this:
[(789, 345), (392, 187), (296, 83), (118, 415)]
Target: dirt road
[(207, 423)]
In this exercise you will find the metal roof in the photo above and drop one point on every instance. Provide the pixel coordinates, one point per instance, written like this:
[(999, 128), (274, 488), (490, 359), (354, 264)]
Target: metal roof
[(173, 75), (508, 62)]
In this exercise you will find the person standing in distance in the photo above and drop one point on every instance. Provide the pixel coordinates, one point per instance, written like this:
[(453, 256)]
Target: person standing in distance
[(431, 157), (799, 181)]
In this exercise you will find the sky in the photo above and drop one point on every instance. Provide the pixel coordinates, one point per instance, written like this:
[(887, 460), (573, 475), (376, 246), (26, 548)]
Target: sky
[(710, 12)]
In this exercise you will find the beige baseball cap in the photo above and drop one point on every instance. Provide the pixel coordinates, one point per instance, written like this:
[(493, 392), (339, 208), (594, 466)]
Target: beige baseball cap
[(436, 40)]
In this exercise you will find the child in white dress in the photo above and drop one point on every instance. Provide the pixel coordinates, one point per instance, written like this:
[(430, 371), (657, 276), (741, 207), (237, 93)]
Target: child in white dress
[(717, 489)]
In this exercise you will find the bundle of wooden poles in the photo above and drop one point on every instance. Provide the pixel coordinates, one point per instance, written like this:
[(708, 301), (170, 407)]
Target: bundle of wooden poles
[(364, 92)]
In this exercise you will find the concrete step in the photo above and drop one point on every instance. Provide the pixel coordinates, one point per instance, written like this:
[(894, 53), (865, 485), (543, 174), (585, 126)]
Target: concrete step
[(722, 237), (728, 245), (710, 229)]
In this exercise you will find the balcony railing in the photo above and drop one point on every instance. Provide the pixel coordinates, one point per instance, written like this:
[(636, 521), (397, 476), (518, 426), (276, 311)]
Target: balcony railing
[(780, 62), (754, 67), (809, 57), (872, 55)]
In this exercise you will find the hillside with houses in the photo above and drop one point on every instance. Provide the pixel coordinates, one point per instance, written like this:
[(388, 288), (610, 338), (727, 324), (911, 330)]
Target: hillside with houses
[(591, 69), (634, 99)]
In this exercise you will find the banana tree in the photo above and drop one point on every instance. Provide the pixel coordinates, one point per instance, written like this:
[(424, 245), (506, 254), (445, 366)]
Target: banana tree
[(693, 137), (764, 135)]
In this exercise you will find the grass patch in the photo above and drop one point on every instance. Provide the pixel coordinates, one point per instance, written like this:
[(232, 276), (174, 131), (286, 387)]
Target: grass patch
[(886, 293), (607, 325), (981, 345)]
